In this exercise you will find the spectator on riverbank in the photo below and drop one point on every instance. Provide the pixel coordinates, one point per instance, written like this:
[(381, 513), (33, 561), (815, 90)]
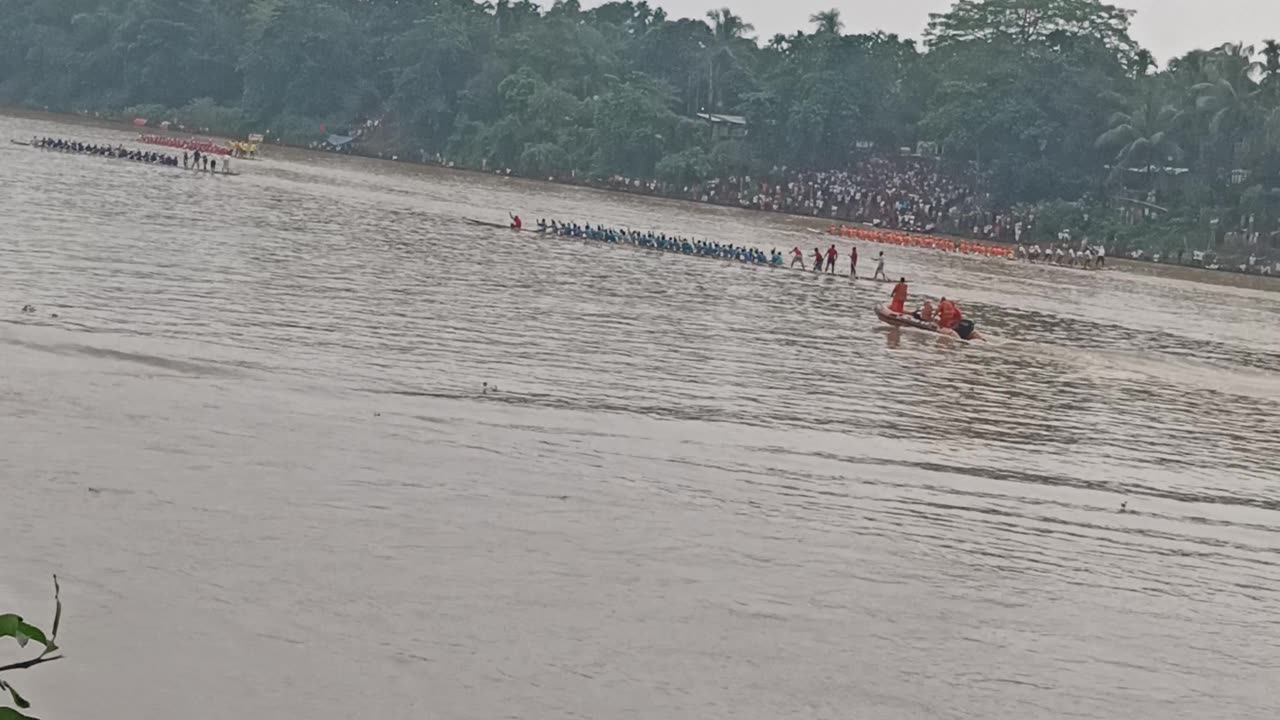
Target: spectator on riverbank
[(899, 193)]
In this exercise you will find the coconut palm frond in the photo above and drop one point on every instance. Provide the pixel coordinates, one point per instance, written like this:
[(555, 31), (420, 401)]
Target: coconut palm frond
[(1111, 97), (1140, 147), (1119, 118), (1169, 115), (1220, 120), (1121, 135), (1204, 92), (1208, 103)]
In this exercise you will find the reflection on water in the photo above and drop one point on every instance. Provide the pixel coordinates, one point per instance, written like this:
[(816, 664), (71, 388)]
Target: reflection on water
[(807, 459)]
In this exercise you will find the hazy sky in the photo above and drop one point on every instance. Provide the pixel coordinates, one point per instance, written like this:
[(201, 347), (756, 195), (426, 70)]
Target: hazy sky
[(1165, 27)]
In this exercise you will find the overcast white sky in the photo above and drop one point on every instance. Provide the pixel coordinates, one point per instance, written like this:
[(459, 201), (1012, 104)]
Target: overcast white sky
[(1165, 27)]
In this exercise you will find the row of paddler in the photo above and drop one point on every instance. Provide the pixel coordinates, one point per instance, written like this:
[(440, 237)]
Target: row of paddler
[(932, 242)]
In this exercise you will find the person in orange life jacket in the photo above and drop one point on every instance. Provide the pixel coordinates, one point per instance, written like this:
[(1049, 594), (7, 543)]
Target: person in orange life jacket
[(948, 314), (951, 319), (899, 303)]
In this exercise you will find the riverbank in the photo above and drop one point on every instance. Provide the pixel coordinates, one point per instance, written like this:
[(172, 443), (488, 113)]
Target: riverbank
[(1222, 277)]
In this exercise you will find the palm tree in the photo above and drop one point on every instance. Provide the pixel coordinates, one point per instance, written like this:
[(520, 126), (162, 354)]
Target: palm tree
[(1140, 138), (501, 14), (1192, 63), (1229, 97), (1271, 68), (1143, 63), (727, 26), (1271, 55), (1270, 90), (828, 22), (643, 14), (569, 8), (729, 31)]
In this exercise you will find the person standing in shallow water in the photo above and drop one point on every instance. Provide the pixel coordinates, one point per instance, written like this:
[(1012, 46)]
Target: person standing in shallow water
[(832, 254), (880, 268), (797, 257), (853, 262), (817, 260)]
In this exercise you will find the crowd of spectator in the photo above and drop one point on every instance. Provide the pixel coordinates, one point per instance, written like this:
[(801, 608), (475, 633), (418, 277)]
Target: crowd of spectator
[(898, 193)]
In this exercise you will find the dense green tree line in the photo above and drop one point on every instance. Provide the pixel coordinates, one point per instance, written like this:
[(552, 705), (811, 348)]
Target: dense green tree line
[(1048, 99)]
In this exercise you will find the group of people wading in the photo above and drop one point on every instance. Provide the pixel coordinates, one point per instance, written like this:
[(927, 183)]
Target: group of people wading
[(203, 161), (826, 262), (1087, 257)]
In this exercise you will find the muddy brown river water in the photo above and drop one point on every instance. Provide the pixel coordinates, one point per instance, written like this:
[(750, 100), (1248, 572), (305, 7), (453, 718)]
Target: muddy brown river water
[(254, 446)]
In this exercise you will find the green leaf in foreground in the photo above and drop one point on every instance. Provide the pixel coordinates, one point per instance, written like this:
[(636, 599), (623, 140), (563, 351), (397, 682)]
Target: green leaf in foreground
[(11, 714), (13, 692), (13, 626)]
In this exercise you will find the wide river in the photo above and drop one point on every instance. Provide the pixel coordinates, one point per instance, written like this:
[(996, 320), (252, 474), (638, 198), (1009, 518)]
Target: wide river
[(246, 427)]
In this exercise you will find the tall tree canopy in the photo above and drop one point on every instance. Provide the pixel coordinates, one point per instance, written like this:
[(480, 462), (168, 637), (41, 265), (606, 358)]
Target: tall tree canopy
[(1039, 100), (1029, 23)]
